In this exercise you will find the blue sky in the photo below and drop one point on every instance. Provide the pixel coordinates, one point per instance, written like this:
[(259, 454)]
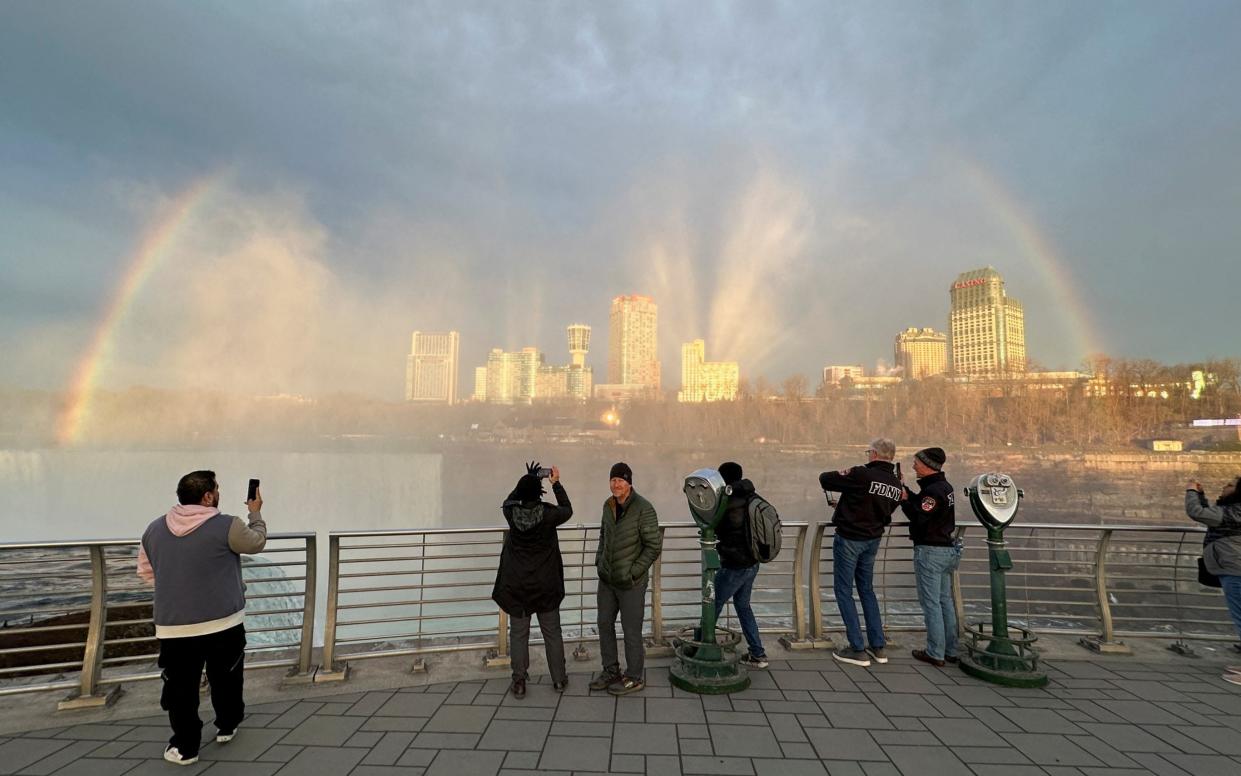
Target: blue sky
[(791, 181)]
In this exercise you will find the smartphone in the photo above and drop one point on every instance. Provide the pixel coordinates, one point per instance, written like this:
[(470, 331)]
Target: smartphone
[(543, 473), (253, 491), (898, 472)]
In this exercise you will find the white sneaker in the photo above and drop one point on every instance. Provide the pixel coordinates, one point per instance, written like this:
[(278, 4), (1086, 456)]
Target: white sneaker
[(173, 755), (222, 737), (1231, 678)]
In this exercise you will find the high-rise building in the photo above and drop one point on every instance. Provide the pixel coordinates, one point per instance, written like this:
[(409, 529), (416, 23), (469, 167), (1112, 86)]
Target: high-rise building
[(921, 353), (832, 375), (431, 367), (703, 380), (988, 327), (480, 383), (633, 352), (512, 377)]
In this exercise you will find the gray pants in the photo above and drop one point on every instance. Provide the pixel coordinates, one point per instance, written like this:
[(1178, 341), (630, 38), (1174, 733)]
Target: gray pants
[(630, 603), (519, 645)]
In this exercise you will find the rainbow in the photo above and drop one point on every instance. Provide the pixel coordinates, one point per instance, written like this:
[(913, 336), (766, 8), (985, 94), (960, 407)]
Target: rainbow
[(155, 245), (1040, 252)]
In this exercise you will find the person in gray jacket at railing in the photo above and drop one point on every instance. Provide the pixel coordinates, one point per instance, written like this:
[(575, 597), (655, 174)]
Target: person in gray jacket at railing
[(1221, 549), (193, 557)]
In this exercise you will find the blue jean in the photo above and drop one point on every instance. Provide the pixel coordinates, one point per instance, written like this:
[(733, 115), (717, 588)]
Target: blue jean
[(853, 561), (1232, 594), (933, 568), (737, 584)]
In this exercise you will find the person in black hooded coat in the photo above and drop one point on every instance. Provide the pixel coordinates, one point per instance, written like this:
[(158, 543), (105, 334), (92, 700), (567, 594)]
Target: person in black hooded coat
[(530, 579)]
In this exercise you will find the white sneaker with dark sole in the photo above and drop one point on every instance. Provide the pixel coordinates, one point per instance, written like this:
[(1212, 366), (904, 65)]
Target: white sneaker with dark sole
[(173, 755)]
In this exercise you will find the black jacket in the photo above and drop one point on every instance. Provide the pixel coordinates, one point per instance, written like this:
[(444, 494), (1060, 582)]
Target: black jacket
[(868, 496), (733, 530), (531, 574), (932, 513)]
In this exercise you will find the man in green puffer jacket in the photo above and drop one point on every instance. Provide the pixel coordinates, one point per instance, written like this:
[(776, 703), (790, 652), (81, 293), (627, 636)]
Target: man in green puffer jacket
[(629, 543)]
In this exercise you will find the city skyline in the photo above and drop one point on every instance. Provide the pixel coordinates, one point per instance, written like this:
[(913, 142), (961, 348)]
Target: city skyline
[(791, 185)]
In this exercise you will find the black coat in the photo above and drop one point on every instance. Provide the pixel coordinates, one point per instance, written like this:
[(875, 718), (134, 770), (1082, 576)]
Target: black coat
[(733, 530), (868, 496), (932, 512), (531, 574)]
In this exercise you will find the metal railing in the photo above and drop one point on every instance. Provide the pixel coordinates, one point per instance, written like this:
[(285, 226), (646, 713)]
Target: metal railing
[(74, 615), (1096, 581), (413, 592)]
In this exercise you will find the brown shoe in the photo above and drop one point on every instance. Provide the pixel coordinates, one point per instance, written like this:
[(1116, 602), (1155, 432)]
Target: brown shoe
[(920, 654), (951, 659), (629, 684), (605, 680), (519, 688)]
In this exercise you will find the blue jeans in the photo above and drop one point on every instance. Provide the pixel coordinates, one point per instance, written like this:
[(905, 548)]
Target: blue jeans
[(853, 560), (933, 568), (1232, 594), (737, 584)]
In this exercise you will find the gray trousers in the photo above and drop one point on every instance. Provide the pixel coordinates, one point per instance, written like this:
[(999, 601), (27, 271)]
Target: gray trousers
[(630, 604), (519, 645)]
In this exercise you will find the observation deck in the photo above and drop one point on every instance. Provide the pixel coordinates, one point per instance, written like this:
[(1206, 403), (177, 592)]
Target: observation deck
[(403, 671)]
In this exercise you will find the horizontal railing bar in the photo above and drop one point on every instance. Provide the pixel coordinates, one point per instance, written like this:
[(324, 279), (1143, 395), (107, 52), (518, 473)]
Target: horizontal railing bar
[(85, 543), (39, 668), (424, 618)]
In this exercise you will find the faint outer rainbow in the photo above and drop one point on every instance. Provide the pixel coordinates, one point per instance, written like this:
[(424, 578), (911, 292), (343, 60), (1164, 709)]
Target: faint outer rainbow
[(1041, 253), (155, 245)]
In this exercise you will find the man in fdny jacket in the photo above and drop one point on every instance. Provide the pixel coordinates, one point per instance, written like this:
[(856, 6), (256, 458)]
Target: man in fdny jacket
[(932, 527), (868, 496)]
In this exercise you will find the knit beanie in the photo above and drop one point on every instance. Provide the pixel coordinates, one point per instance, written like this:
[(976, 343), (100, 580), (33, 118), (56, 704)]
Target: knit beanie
[(621, 470), (933, 457), (730, 471)]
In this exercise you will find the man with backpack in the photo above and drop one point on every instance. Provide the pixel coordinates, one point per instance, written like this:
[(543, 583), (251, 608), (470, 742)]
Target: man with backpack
[(743, 545)]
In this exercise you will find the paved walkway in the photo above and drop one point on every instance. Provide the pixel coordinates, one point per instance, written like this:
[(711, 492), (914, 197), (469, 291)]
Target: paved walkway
[(1099, 717)]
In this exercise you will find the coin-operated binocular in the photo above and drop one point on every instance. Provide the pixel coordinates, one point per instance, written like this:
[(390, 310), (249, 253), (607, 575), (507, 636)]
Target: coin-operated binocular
[(707, 661), (997, 656)]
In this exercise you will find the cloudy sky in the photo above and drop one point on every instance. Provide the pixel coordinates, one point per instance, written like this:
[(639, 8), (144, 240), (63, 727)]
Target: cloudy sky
[(793, 182)]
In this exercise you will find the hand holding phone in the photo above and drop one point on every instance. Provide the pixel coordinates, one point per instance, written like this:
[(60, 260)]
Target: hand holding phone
[(253, 499)]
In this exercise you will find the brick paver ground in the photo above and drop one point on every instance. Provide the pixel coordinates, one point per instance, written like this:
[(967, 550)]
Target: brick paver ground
[(805, 716)]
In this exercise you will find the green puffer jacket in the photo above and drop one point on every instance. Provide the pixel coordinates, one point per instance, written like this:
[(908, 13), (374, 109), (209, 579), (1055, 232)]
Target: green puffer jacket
[(628, 546)]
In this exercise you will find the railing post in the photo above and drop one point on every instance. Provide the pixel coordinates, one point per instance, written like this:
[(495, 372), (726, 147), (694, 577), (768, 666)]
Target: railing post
[(88, 695), (498, 658), (819, 638), (304, 671), (1105, 642), (657, 598), (958, 598), (328, 672), (799, 640)]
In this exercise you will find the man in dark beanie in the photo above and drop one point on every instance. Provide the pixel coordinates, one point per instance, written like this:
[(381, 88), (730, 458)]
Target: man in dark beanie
[(530, 580), (738, 567), (937, 553), (629, 543)]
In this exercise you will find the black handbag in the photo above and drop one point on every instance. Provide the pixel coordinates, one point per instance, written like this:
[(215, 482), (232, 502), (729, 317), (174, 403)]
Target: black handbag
[(1206, 578)]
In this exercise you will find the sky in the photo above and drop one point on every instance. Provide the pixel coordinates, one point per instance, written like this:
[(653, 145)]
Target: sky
[(271, 197)]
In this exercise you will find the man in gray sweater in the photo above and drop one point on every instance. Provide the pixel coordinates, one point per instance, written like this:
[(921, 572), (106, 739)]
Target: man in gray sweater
[(193, 557)]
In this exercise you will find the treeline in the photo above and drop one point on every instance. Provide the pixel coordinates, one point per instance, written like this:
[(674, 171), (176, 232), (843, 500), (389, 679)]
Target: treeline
[(1129, 400)]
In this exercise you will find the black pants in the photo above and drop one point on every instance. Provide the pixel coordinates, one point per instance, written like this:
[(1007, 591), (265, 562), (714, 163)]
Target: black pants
[(631, 605), (182, 661), (519, 644)]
